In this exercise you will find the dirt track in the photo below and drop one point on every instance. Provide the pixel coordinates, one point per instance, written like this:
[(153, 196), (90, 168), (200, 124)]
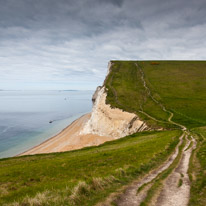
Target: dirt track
[(176, 188), (133, 198)]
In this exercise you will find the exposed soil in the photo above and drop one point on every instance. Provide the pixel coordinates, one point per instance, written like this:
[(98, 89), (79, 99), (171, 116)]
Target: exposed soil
[(131, 197), (176, 188)]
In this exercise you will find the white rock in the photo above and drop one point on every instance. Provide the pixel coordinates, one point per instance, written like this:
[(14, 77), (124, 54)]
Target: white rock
[(112, 122)]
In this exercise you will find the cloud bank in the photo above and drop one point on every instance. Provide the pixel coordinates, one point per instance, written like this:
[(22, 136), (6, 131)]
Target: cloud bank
[(66, 44)]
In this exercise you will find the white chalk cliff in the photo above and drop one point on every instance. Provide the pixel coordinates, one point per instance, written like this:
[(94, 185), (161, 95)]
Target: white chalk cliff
[(111, 122)]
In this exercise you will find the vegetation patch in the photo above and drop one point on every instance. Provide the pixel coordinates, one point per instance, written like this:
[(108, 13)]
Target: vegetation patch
[(180, 182), (180, 86), (197, 169), (125, 90), (76, 177), (157, 182)]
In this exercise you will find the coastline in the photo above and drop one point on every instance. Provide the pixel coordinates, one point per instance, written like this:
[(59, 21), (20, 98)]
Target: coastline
[(68, 139)]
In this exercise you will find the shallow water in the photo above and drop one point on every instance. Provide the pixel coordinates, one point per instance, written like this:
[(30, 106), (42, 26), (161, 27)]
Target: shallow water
[(25, 116)]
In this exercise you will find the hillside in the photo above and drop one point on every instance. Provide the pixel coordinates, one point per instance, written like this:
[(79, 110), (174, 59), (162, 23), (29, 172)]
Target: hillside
[(149, 167), (179, 85)]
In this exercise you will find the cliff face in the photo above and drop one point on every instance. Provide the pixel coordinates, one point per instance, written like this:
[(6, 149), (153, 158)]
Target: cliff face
[(111, 122)]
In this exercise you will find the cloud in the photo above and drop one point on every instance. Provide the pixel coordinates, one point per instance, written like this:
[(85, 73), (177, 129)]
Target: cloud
[(69, 43)]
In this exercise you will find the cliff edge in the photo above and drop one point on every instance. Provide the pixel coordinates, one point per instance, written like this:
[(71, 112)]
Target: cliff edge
[(111, 122)]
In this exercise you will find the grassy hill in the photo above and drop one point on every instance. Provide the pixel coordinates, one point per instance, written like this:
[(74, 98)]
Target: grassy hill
[(151, 89), (79, 176), (179, 85)]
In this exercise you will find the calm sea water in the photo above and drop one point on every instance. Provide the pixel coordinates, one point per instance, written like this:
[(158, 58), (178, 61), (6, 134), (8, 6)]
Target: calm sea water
[(25, 116)]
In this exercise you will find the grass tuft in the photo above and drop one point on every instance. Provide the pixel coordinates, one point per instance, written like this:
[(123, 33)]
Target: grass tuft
[(110, 179), (80, 190), (121, 172), (180, 182), (98, 183), (38, 200)]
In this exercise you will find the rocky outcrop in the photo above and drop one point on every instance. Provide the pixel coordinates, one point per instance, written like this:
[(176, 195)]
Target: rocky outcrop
[(94, 97), (111, 122)]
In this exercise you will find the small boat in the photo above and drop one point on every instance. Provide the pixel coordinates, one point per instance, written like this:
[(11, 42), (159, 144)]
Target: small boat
[(50, 122)]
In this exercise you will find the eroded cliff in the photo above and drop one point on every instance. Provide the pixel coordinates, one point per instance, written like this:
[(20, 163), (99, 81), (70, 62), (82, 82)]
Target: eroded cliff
[(111, 122)]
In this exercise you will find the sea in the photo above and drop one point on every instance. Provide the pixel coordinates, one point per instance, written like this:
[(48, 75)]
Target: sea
[(27, 118)]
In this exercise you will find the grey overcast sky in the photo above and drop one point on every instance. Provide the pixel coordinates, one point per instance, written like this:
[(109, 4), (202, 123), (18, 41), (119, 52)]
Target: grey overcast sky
[(66, 44)]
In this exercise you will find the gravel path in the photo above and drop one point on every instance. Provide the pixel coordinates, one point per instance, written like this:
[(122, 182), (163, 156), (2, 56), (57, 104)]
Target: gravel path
[(176, 188), (130, 197)]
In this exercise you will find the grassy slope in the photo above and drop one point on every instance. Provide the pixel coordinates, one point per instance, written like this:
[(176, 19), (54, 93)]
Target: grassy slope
[(126, 91), (58, 173), (180, 85), (198, 170)]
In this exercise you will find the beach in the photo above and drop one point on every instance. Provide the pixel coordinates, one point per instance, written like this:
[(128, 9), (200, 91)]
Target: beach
[(28, 118), (69, 139)]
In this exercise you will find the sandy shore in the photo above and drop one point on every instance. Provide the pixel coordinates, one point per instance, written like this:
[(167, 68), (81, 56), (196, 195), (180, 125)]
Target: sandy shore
[(69, 139)]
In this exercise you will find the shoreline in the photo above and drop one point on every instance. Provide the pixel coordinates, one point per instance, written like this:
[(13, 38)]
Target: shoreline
[(49, 139), (68, 139)]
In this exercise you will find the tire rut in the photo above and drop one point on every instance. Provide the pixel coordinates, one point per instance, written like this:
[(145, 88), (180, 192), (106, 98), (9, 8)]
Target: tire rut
[(176, 188), (130, 197)]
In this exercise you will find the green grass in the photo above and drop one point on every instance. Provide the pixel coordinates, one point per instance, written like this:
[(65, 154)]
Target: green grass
[(179, 85), (180, 182), (125, 90), (59, 175), (197, 170)]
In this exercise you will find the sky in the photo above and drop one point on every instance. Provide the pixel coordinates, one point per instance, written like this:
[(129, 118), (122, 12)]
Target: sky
[(67, 44)]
